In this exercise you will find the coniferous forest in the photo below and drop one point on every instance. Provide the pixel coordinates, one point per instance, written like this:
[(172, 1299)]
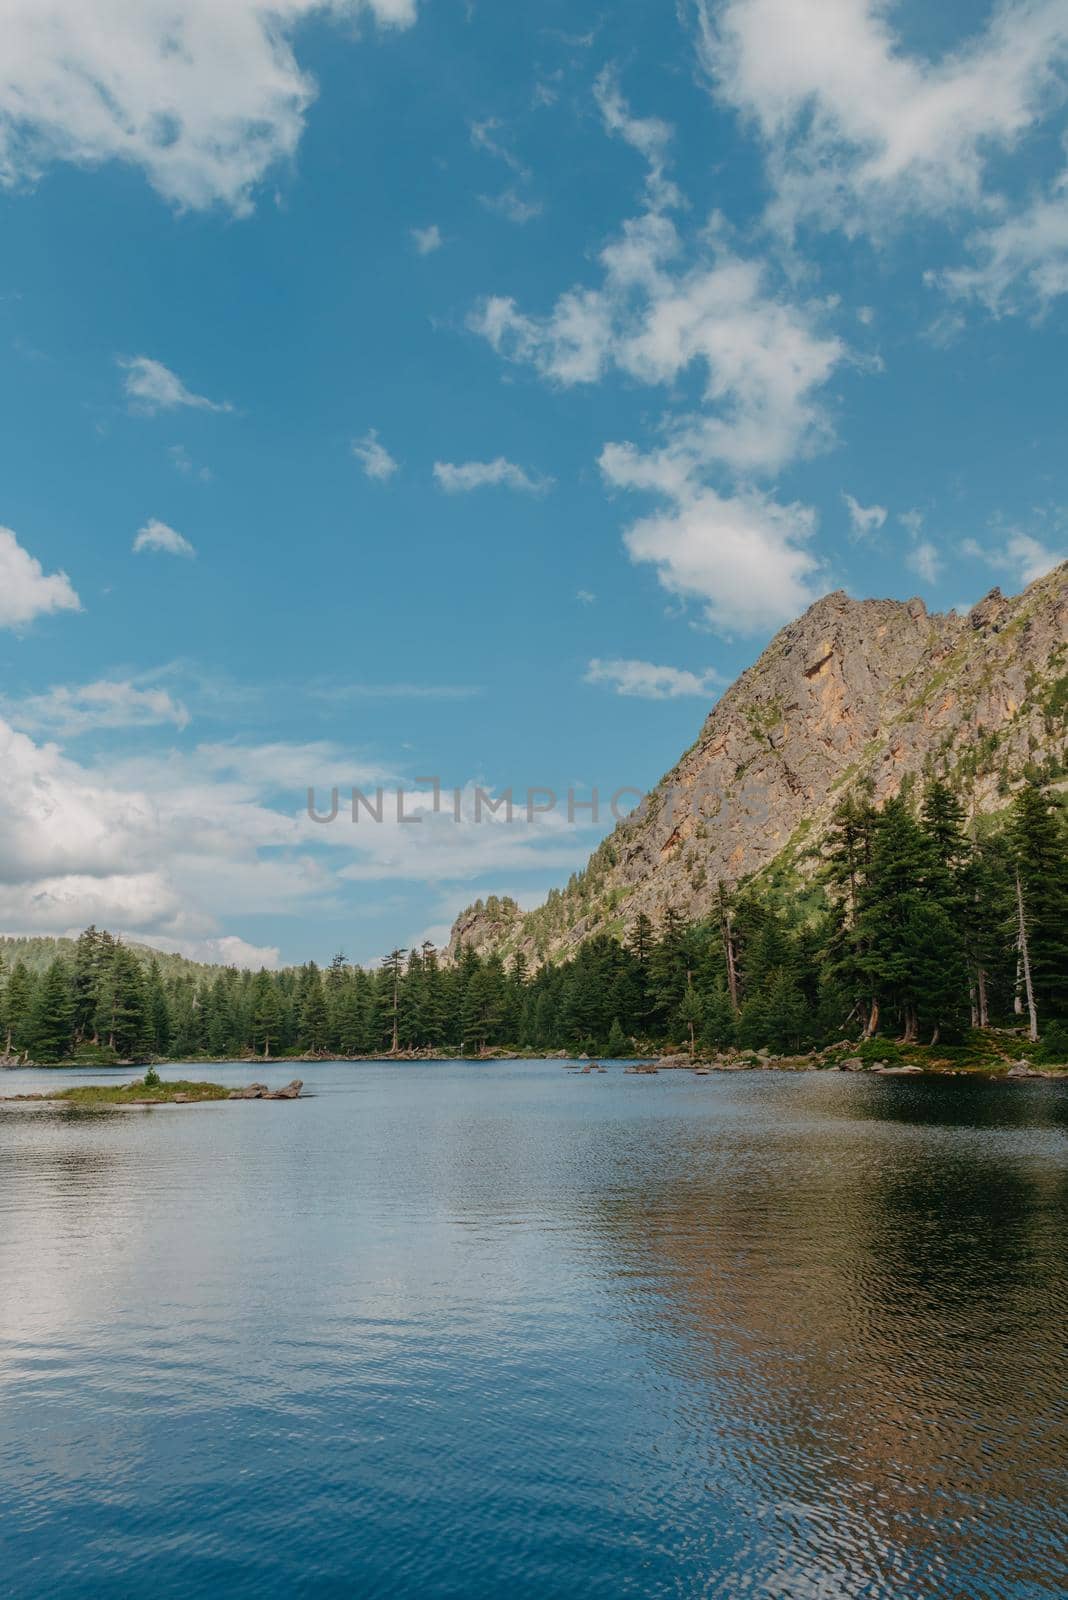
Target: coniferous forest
[(915, 927)]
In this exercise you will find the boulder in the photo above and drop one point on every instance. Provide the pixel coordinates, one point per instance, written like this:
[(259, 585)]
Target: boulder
[(851, 1064)]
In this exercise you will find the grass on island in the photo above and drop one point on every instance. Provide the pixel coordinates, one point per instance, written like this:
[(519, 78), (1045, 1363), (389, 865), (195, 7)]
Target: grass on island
[(120, 1094)]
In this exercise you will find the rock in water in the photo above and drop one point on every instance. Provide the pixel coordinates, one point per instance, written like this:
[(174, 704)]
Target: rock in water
[(260, 1091)]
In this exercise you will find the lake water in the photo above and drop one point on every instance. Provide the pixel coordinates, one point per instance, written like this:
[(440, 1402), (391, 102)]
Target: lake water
[(462, 1330)]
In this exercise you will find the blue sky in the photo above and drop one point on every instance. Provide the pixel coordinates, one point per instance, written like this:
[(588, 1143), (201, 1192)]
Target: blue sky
[(417, 388)]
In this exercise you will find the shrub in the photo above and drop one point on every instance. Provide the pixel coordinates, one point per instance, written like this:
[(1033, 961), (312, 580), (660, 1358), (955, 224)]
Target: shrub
[(872, 1050), (1053, 1045)]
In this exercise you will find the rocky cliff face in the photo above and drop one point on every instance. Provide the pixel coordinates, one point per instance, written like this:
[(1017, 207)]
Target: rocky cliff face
[(874, 689)]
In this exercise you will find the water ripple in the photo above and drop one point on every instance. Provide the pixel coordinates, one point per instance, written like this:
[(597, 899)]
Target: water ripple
[(443, 1332)]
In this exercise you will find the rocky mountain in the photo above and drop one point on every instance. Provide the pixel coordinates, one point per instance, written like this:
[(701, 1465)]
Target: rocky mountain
[(880, 690)]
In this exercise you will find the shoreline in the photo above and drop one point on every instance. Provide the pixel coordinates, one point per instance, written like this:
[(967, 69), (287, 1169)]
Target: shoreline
[(1002, 1070)]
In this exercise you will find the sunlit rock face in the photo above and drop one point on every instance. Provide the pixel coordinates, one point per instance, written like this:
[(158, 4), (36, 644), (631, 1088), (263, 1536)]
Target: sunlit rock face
[(875, 690)]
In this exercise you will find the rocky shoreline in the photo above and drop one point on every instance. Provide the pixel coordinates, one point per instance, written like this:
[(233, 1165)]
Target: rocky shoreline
[(837, 1061)]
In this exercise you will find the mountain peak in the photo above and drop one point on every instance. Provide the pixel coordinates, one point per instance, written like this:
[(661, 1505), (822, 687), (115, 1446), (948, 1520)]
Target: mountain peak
[(879, 690)]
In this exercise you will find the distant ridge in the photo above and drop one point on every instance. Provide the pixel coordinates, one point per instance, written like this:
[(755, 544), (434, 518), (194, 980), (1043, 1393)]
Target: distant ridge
[(38, 951), (876, 690)]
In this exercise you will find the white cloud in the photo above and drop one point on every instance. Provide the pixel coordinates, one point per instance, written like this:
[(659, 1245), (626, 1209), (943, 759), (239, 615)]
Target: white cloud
[(204, 96), (861, 132), (175, 845), (744, 556), (462, 478), (1023, 557), (373, 456), (182, 462), (485, 137), (228, 951), (512, 206), (585, 597), (664, 310), (912, 522), (568, 347), (156, 535), (152, 387), (26, 591), (763, 359), (438, 849), (863, 520), (650, 136), (427, 240), (169, 845), (1023, 260), (645, 681), (280, 766), (510, 203), (925, 561), (1030, 558), (107, 703)]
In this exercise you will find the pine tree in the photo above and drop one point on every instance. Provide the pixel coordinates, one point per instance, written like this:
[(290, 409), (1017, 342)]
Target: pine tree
[(218, 1021), (725, 914), (482, 1009), (390, 975), (936, 969), (786, 1017), (887, 908), (670, 963), (18, 1004), (129, 1030), (51, 1026), (751, 1030), (335, 985), (266, 1014), (92, 954), (159, 1015), (410, 1002), (618, 1046), (689, 1017), (433, 1026), (942, 820), (847, 855), (986, 891), (719, 1021), (1039, 850), (313, 1017)]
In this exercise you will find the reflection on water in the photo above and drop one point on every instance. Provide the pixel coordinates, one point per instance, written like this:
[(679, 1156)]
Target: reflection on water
[(453, 1330)]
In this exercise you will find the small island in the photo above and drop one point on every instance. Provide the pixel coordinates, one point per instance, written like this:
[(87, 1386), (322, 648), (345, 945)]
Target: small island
[(151, 1090)]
